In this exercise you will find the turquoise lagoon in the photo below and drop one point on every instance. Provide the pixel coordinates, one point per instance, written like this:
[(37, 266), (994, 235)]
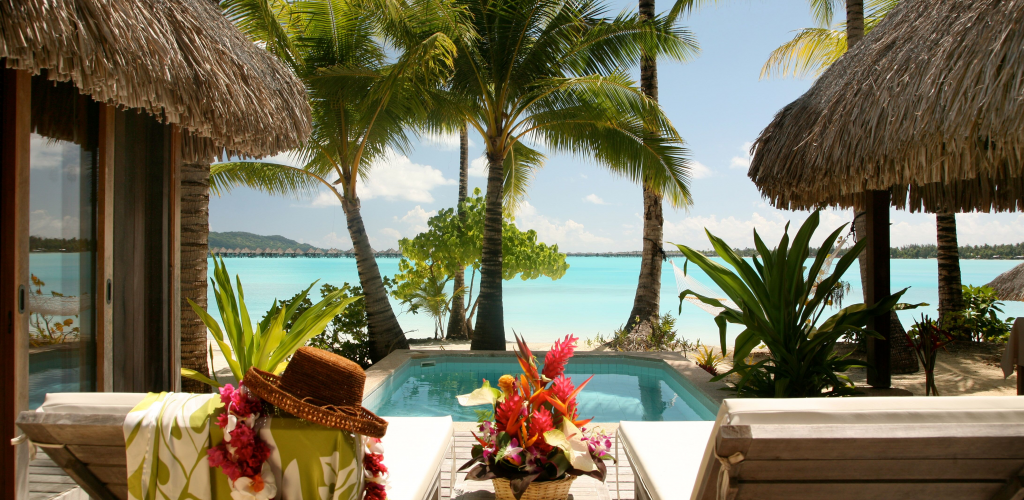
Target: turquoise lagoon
[(594, 297)]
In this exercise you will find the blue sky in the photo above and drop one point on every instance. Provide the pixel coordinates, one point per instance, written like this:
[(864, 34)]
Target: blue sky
[(717, 103)]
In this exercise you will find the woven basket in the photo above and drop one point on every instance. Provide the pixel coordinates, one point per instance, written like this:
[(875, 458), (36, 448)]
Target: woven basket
[(538, 490)]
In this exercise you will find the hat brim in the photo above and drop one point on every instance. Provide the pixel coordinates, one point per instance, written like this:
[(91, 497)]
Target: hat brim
[(357, 419)]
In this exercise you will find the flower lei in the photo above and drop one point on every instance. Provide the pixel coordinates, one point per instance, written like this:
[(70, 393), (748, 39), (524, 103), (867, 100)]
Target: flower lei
[(374, 470), (242, 456)]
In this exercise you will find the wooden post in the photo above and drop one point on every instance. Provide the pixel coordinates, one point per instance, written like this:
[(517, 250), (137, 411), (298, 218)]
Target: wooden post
[(15, 143), (105, 250), (877, 286), (174, 256)]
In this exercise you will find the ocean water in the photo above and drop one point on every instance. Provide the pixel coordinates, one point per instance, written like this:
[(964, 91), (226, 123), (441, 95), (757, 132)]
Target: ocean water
[(594, 297)]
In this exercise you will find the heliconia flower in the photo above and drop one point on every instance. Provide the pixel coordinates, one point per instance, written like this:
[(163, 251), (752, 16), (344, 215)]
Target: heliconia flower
[(558, 356)]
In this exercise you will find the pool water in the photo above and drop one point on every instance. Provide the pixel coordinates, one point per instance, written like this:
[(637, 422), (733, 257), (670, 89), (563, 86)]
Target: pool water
[(622, 389)]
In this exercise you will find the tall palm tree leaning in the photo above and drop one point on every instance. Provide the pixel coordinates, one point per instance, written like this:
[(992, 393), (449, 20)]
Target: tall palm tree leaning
[(366, 68), (457, 327), (812, 51), (552, 72)]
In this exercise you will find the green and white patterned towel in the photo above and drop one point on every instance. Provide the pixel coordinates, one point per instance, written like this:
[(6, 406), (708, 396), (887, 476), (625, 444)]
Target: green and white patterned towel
[(168, 434)]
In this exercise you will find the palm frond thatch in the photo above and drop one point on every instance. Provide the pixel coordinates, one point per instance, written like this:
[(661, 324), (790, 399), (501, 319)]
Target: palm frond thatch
[(180, 60), (929, 105), (1009, 285)]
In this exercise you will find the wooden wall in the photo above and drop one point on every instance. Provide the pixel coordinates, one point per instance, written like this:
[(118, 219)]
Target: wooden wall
[(143, 233)]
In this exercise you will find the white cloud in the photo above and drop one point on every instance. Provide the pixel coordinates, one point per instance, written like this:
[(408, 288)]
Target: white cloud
[(740, 232), (444, 142), (595, 199), (334, 240), (971, 229), (569, 235), (742, 161), (478, 167), (699, 170), (417, 219), (41, 223), (395, 177)]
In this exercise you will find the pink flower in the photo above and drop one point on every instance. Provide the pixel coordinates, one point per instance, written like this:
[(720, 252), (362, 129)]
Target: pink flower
[(375, 491), (558, 356), (374, 463)]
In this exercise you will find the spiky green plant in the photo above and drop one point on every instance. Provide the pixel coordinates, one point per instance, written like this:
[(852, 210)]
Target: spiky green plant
[(776, 306), (267, 345)]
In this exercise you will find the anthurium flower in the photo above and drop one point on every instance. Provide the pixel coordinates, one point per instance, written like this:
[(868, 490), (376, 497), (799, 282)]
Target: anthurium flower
[(569, 440), (485, 395), (558, 356)]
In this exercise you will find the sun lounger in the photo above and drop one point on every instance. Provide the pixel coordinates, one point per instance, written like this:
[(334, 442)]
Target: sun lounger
[(82, 433), (843, 448)]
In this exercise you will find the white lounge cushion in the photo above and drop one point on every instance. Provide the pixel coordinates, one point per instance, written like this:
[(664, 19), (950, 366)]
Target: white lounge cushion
[(414, 448), (106, 403), (863, 410), (665, 455)]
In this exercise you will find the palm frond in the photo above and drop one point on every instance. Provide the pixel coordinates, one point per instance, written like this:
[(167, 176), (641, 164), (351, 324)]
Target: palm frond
[(811, 51), (270, 178)]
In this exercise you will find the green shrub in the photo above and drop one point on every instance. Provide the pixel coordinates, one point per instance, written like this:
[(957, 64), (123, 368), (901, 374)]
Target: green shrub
[(346, 334), (978, 321)]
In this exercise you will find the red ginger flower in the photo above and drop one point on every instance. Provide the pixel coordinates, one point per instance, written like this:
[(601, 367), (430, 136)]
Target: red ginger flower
[(558, 356), (508, 411), (562, 389), (540, 423)]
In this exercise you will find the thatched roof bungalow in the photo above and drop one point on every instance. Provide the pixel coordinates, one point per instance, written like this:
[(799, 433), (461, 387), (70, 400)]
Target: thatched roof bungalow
[(929, 106), (925, 113), (126, 93), (1009, 285)]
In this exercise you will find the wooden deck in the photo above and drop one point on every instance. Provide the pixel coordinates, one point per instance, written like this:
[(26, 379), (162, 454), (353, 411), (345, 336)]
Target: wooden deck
[(618, 485), (46, 481)]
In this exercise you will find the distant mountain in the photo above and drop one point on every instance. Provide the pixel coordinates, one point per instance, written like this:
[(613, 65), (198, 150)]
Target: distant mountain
[(240, 240)]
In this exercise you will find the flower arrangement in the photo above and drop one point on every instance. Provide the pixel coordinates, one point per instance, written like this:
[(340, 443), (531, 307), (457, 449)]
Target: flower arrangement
[(927, 338), (534, 433), (242, 456)]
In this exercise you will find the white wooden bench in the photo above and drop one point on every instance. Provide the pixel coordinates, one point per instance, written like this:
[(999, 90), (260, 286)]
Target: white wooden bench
[(959, 448), (82, 433)]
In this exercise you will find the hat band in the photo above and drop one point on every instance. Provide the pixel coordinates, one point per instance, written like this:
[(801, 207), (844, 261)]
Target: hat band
[(348, 410)]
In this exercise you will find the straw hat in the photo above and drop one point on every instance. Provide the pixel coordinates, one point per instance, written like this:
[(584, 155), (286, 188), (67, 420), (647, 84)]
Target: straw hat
[(320, 387)]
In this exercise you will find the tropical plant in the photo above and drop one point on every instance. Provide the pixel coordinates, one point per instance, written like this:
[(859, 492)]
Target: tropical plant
[(978, 320), (553, 73), (708, 359), (658, 333), (927, 338), (429, 294), (266, 345), (534, 432), (776, 307), (369, 69), (451, 243), (346, 334)]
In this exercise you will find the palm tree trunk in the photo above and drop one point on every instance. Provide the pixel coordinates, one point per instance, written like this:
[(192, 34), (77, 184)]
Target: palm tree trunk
[(195, 232), (457, 318), (647, 301), (951, 296), (383, 330), (489, 333)]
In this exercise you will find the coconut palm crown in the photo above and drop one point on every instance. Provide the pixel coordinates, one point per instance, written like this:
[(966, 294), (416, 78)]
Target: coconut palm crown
[(368, 68), (552, 74)]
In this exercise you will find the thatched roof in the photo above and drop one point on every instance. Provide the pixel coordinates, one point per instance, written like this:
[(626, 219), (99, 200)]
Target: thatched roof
[(180, 60), (1009, 285), (929, 105)]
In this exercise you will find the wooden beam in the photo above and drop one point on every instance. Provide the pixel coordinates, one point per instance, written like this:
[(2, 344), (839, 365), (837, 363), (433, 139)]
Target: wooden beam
[(174, 257), (876, 286), (15, 143), (105, 250)]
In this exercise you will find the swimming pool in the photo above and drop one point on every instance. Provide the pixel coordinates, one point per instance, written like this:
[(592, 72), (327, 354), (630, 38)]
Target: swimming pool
[(622, 388)]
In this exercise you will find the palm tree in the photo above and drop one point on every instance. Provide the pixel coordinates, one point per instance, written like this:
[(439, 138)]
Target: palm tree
[(457, 327), (951, 293), (551, 72), (195, 233), (363, 98)]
